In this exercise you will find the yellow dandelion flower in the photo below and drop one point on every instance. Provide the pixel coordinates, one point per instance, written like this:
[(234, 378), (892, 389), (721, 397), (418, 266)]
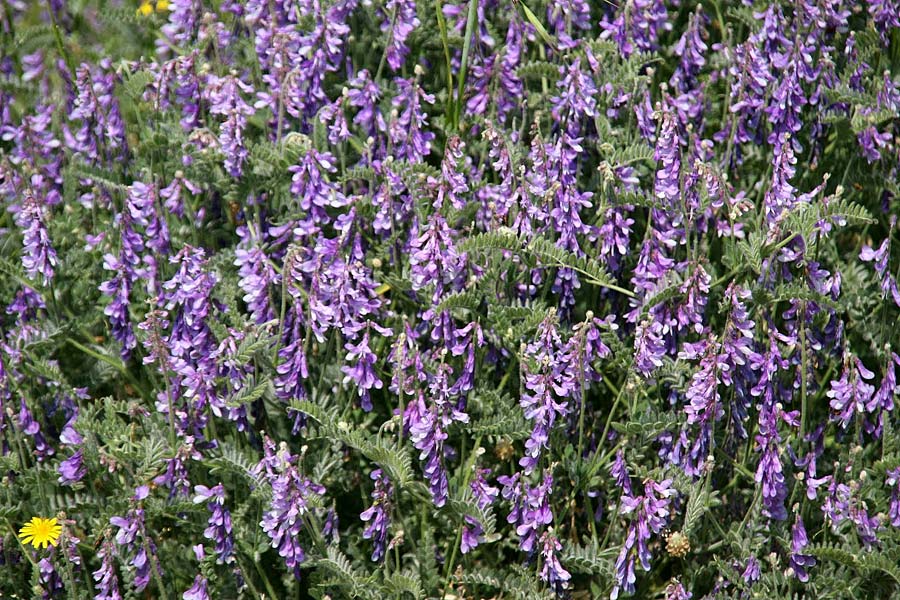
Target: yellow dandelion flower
[(145, 8), (39, 532), (162, 5)]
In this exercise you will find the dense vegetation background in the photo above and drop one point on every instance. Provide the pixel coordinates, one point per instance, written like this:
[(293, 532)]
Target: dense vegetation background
[(490, 299)]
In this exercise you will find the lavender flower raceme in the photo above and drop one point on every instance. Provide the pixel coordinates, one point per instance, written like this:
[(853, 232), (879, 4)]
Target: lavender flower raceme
[(650, 513), (553, 572), (400, 21), (378, 516), (133, 536), (548, 390), (38, 256), (219, 530), (800, 562), (428, 431), (225, 98), (105, 578), (285, 517)]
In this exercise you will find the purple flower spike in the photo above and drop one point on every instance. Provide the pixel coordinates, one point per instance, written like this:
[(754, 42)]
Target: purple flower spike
[(378, 516)]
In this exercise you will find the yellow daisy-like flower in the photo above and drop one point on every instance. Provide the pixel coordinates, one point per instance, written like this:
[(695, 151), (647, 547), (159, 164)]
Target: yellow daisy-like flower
[(162, 5), (145, 8), (40, 532)]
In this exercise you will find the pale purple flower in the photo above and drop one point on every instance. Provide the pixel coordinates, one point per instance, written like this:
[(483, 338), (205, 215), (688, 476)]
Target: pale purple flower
[(219, 529), (198, 591), (225, 96), (881, 258), (408, 129), (851, 394), (105, 578), (650, 513), (283, 520), (552, 571)]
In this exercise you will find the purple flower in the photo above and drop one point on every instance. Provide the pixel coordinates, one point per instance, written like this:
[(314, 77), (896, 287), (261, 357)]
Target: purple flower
[(577, 97), (690, 49), (312, 189), (360, 367), (400, 21), (409, 121), (531, 511), (472, 534), (219, 529), (38, 255), (133, 536), (72, 470), (378, 516), (676, 591), (484, 493), (101, 138), (428, 426), (799, 561), (881, 257), (872, 141), (224, 95), (284, 520), (851, 394), (892, 480), (548, 389), (636, 25), (433, 258), (105, 578), (650, 512), (552, 571), (256, 273), (364, 94), (197, 591)]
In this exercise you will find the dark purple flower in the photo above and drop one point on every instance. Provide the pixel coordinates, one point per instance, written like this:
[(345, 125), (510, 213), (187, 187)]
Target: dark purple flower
[(378, 516), (800, 562), (400, 21)]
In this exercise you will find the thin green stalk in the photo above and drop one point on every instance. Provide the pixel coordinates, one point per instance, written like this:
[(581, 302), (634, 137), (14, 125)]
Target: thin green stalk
[(471, 18), (803, 365), (59, 41), (442, 26), (469, 466)]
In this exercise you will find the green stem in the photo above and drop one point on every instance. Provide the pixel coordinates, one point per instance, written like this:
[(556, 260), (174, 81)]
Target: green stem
[(470, 464), (442, 26), (467, 44)]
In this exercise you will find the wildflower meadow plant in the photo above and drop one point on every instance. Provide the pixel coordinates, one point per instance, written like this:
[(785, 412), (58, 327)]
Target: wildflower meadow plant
[(455, 299)]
